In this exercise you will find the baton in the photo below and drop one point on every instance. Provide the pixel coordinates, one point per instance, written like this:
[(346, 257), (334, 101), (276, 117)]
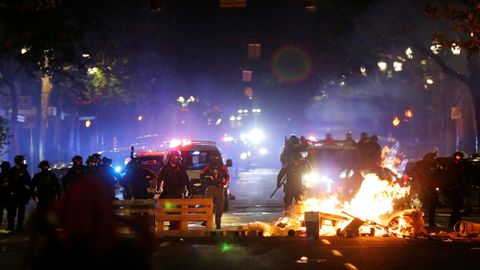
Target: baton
[(281, 182)]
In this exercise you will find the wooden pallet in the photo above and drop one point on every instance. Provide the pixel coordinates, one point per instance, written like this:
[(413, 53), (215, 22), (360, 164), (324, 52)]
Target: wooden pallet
[(184, 211)]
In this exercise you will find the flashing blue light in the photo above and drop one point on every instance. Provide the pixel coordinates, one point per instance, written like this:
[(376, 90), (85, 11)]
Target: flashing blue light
[(118, 169), (196, 153)]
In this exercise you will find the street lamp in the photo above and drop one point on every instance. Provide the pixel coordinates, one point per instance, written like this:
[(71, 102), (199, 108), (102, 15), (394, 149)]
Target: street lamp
[(382, 65)]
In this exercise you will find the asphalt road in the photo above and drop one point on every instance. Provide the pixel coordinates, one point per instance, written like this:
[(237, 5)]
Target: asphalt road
[(252, 204)]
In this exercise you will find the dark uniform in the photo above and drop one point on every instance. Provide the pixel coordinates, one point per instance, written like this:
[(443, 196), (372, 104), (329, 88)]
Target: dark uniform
[(424, 173), (293, 173), (45, 186), (74, 173), (174, 181), (136, 181), (217, 177), (455, 187), (5, 194), (20, 182)]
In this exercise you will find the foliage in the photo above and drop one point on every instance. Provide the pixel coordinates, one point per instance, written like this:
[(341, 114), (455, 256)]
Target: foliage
[(466, 25)]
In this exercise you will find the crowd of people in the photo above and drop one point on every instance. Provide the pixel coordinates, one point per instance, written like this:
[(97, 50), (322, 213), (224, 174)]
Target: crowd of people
[(17, 187), (438, 179)]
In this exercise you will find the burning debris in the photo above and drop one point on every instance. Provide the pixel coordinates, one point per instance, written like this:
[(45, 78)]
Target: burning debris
[(374, 210)]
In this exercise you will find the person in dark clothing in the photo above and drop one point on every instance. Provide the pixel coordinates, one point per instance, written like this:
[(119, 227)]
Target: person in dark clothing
[(291, 176), (20, 182), (173, 179), (75, 172), (217, 176), (45, 187), (424, 173), (349, 141), (5, 194), (455, 187), (374, 151), (292, 145), (136, 180)]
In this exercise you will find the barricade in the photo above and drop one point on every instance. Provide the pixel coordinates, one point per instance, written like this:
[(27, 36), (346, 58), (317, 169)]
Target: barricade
[(181, 212), (127, 209)]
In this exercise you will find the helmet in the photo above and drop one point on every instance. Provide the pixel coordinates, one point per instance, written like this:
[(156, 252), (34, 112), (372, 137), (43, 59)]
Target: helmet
[(77, 158), (106, 160), (5, 165), (19, 160), (364, 136), (44, 163), (174, 156), (96, 157)]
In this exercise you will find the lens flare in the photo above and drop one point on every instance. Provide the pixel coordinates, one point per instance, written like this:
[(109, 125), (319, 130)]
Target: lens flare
[(291, 64)]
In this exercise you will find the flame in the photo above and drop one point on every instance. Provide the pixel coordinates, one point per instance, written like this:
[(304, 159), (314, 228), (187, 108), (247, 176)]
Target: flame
[(375, 198)]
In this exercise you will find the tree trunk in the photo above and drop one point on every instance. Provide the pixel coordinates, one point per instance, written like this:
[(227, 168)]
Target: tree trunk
[(14, 144), (474, 85), (45, 95)]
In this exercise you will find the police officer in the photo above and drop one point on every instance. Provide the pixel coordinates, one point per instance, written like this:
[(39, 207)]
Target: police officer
[(20, 182), (45, 186), (290, 176), (455, 186), (217, 176), (5, 197), (136, 180), (173, 181), (75, 172), (292, 145), (424, 172)]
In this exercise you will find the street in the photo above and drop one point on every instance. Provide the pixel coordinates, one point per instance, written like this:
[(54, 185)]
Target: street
[(251, 204)]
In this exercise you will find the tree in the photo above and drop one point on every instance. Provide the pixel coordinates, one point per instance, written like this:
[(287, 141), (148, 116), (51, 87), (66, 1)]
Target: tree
[(462, 38)]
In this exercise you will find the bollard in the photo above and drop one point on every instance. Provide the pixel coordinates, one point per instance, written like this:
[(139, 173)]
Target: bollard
[(312, 225)]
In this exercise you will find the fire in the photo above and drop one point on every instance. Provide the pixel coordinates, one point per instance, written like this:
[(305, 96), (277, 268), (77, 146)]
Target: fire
[(374, 204), (375, 198)]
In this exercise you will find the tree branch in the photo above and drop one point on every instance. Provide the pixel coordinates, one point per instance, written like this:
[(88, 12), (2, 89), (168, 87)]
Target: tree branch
[(443, 66)]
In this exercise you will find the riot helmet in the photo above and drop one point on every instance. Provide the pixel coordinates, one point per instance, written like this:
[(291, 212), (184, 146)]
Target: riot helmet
[(77, 161), (175, 157), (5, 166), (44, 165), (19, 160)]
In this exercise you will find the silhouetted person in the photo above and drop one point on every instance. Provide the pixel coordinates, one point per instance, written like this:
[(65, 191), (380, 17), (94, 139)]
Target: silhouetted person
[(362, 148), (292, 145), (217, 176), (45, 187), (173, 181), (136, 180), (424, 174), (349, 141), (20, 182), (292, 184), (75, 172), (455, 187)]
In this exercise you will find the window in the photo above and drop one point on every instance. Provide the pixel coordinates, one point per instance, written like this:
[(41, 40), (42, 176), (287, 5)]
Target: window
[(247, 76), (254, 50)]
